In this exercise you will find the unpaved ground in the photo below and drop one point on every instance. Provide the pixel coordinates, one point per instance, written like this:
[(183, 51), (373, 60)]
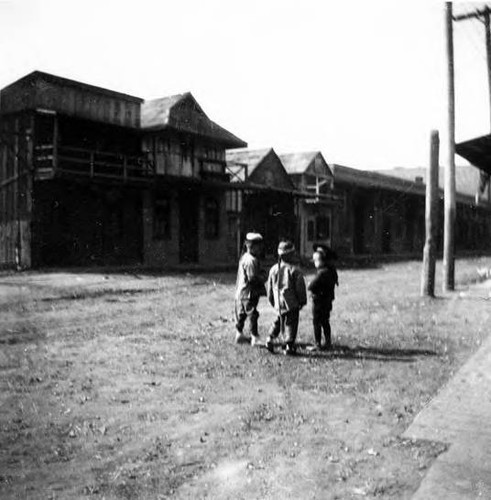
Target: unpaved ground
[(129, 386)]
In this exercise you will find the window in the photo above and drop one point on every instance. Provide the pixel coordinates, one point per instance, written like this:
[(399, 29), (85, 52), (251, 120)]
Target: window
[(117, 110), (233, 201), (310, 229), (212, 218), (129, 115), (323, 228), (161, 219), (318, 228)]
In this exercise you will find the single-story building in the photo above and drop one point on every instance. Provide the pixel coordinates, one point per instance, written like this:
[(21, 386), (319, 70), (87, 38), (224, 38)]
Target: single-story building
[(384, 212)]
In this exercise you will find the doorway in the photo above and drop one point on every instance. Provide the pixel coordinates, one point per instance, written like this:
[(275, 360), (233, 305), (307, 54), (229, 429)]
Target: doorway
[(188, 227)]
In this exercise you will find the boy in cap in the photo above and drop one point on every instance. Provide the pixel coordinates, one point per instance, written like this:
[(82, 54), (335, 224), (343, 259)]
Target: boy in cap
[(321, 289), (287, 294), (249, 288)]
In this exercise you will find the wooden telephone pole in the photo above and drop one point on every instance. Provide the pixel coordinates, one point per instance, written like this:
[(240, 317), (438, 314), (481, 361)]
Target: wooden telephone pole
[(449, 201), (429, 252), (484, 16)]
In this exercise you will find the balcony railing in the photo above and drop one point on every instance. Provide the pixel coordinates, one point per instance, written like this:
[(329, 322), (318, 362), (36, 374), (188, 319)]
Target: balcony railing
[(50, 160), (211, 169)]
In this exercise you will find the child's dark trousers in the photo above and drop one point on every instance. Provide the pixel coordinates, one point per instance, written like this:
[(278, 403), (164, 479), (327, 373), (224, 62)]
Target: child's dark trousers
[(288, 324), (321, 313), (247, 308)]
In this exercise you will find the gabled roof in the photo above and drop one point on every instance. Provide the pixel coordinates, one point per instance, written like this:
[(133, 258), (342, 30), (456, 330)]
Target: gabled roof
[(250, 157), (264, 166), (299, 163), (40, 76), (182, 112)]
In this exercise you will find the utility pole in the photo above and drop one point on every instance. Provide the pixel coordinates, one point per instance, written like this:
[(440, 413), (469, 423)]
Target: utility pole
[(449, 201), (483, 15), (429, 252), (488, 55)]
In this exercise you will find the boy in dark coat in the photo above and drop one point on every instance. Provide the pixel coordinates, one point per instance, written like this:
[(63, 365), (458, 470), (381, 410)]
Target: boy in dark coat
[(322, 293)]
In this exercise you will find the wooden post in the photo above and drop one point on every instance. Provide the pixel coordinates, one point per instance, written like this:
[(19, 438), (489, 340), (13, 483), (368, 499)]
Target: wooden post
[(487, 29), (55, 141), (449, 202), (429, 252), (482, 15), (488, 54), (17, 199), (91, 164), (29, 173)]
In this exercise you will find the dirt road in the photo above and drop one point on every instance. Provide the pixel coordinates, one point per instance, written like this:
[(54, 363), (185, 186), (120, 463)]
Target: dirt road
[(130, 386)]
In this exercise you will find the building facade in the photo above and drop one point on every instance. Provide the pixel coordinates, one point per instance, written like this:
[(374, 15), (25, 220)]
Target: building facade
[(312, 176), (383, 213), (91, 176), (268, 202)]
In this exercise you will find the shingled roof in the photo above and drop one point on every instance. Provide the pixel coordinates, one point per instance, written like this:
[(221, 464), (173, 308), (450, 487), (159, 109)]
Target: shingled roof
[(250, 157), (299, 163), (264, 166), (182, 112), (375, 180)]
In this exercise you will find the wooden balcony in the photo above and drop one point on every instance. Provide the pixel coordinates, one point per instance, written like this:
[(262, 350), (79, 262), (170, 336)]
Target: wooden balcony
[(213, 170), (51, 161)]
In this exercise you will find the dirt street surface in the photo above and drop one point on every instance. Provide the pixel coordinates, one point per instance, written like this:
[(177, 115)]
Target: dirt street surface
[(130, 386)]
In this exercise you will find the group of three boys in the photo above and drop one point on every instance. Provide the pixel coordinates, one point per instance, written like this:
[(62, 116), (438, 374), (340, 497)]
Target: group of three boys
[(286, 292)]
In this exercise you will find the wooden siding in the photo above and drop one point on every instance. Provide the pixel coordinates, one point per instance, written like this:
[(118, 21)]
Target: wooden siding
[(79, 223), (168, 251), (380, 222), (15, 190), (270, 172), (273, 215), (40, 91), (180, 155)]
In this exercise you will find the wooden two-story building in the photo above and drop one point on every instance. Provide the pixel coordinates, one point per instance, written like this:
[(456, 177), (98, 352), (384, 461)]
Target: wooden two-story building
[(185, 213), (93, 176)]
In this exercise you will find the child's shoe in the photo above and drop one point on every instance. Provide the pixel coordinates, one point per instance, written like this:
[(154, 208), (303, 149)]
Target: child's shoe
[(289, 350), (270, 345), (256, 341), (239, 337), (327, 346)]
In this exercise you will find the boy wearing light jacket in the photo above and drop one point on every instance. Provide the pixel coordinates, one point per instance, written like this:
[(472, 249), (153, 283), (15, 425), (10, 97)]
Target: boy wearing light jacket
[(249, 288), (287, 294)]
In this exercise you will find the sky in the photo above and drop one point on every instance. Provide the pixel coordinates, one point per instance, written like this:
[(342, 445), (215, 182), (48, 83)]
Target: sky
[(361, 81)]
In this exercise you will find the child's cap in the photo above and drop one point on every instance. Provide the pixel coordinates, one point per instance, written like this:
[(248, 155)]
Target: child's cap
[(286, 247), (254, 237), (325, 251)]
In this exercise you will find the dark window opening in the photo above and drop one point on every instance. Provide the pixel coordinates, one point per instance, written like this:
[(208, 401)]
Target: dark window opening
[(310, 230), (323, 228), (161, 219), (212, 218)]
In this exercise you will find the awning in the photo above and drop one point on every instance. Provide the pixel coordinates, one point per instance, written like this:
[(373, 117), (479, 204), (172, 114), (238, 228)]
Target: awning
[(477, 152)]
